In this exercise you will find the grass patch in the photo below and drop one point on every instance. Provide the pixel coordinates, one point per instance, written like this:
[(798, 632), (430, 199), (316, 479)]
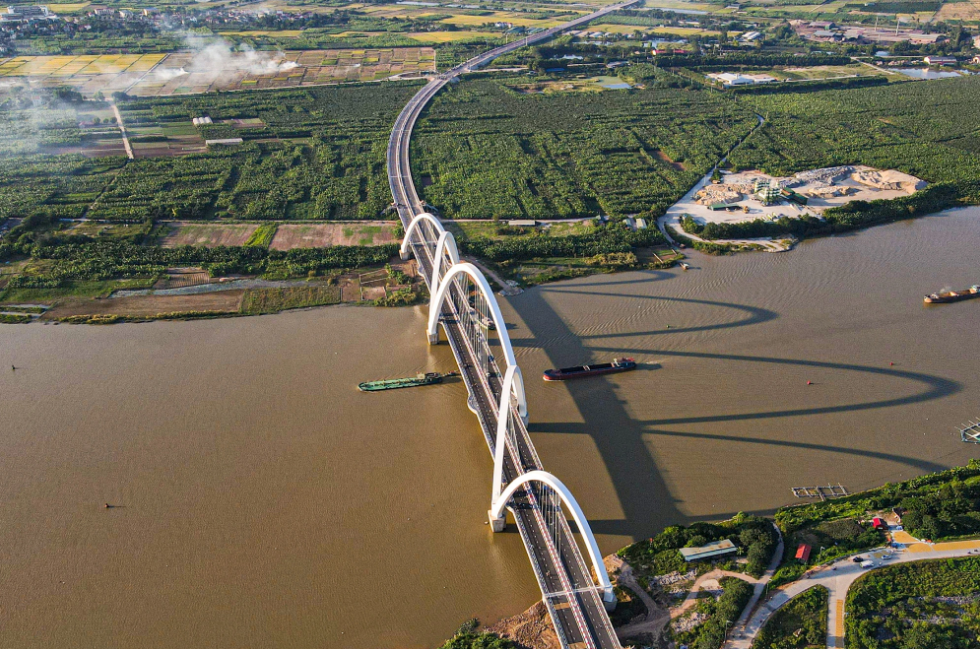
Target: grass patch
[(81, 289), (14, 318), (263, 235), (272, 300)]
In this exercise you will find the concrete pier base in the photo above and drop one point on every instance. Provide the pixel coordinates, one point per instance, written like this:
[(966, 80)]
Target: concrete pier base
[(609, 601), (405, 256), (434, 338), (497, 524)]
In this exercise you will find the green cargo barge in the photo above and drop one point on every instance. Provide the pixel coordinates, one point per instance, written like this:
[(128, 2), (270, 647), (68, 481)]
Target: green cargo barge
[(429, 378)]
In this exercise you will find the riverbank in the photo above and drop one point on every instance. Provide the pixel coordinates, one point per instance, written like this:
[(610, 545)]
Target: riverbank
[(192, 293)]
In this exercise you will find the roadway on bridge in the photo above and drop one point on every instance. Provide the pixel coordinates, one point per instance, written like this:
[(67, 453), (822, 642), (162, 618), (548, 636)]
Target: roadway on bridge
[(572, 598)]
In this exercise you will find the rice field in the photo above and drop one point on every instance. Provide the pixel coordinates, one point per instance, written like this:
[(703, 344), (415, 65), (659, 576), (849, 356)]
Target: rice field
[(162, 75), (450, 37), (68, 66)]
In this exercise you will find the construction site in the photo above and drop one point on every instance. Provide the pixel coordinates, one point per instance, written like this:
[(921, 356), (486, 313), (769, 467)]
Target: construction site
[(750, 195)]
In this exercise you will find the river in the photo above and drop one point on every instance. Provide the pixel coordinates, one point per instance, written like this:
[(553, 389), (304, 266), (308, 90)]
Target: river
[(261, 501)]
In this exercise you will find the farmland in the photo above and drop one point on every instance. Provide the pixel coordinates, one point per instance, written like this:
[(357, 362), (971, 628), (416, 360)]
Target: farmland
[(163, 75), (490, 151), (927, 130), (315, 153)]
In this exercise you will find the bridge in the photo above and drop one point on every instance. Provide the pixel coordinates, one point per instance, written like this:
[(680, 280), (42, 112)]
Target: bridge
[(577, 595)]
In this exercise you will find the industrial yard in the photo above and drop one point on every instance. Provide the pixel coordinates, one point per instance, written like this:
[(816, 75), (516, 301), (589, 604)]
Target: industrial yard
[(749, 195)]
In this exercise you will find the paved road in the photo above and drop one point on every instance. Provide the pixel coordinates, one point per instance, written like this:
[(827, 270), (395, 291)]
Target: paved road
[(837, 579), (573, 601)]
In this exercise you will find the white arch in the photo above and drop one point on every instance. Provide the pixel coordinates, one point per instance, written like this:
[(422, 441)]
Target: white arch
[(497, 511), (412, 226), (446, 242), (435, 306), (513, 381)]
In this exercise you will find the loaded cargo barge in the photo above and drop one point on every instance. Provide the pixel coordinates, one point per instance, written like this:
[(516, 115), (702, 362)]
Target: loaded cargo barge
[(582, 371), (944, 297), (429, 378)]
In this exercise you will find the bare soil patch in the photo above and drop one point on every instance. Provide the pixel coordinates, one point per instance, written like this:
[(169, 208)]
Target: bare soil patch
[(531, 629), (319, 235), (663, 158), (149, 305), (209, 235)]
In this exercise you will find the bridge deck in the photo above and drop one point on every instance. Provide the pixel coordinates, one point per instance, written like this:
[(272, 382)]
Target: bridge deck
[(573, 601)]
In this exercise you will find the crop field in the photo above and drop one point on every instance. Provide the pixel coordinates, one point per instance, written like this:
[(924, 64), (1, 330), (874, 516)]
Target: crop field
[(572, 84), (70, 66), (317, 235), (493, 152), (965, 11), (314, 153), (514, 18), (208, 235), (451, 37), (180, 73)]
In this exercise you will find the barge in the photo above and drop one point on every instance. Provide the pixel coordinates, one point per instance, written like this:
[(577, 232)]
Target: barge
[(429, 378), (944, 297), (583, 371)]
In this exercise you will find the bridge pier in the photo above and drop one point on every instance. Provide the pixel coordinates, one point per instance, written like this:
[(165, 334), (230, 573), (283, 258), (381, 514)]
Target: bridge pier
[(609, 601), (497, 524), (434, 338)]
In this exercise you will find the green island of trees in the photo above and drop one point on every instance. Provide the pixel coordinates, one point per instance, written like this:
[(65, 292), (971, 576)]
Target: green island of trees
[(754, 537), (800, 624), (721, 615)]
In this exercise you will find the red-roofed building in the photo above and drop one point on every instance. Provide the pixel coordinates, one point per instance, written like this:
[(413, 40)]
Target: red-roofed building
[(803, 553)]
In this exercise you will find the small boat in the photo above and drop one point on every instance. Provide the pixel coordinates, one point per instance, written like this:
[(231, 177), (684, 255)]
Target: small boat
[(685, 266), (429, 378), (943, 297), (582, 371)]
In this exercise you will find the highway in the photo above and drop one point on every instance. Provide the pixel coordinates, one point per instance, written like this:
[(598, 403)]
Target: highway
[(568, 589)]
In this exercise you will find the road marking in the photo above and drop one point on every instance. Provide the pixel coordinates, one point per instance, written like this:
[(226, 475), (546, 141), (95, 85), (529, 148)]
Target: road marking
[(839, 631)]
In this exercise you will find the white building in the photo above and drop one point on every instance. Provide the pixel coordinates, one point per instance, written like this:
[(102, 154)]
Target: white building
[(27, 14), (731, 79)]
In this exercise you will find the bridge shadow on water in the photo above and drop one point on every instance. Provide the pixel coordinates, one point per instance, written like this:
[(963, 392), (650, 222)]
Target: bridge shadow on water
[(644, 497)]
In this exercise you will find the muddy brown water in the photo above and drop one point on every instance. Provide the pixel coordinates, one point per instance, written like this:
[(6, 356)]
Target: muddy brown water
[(261, 501)]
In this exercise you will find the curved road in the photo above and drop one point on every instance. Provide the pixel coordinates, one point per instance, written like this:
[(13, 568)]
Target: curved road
[(837, 578), (567, 587)]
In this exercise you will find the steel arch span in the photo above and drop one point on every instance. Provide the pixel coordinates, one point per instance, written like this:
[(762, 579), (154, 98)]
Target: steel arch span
[(446, 244), (405, 252), (435, 307), (513, 382), (497, 512)]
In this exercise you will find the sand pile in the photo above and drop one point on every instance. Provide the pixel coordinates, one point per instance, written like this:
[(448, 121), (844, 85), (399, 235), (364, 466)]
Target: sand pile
[(888, 180), (718, 194)]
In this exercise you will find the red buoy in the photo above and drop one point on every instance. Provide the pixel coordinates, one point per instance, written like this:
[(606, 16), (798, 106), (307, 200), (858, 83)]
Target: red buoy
[(809, 383)]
